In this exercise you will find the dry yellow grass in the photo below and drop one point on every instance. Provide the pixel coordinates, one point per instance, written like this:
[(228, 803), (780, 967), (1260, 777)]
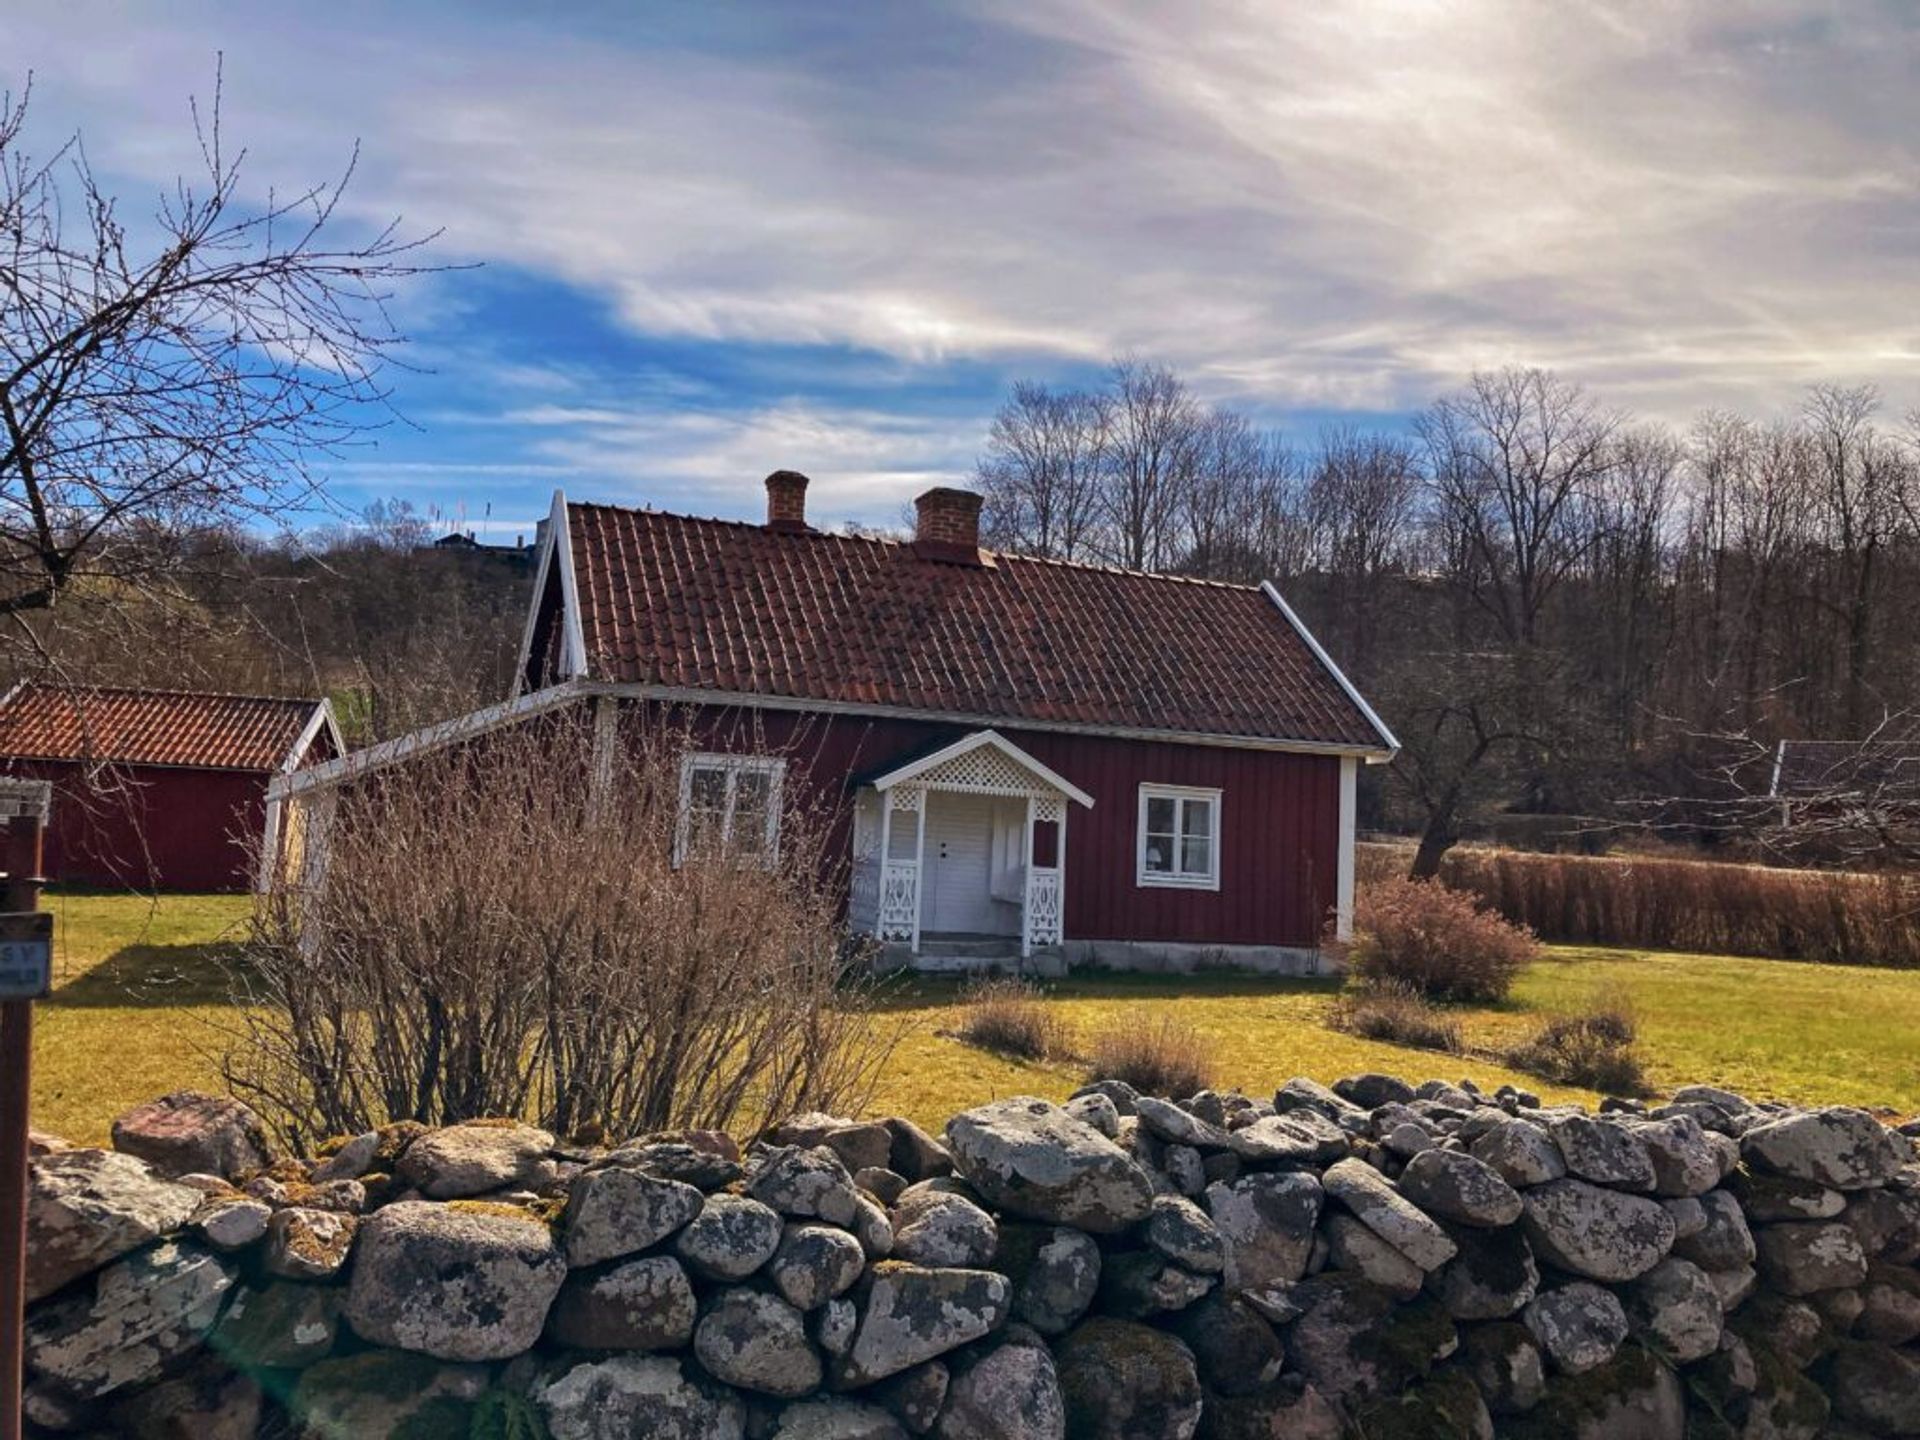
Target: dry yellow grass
[(141, 998)]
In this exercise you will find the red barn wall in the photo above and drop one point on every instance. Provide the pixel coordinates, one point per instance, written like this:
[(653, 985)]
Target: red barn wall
[(1279, 820), (152, 827)]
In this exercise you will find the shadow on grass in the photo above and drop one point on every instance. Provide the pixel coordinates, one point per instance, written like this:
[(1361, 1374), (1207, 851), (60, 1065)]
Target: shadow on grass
[(156, 977)]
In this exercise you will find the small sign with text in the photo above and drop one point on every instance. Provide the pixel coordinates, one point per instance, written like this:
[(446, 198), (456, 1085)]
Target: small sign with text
[(26, 955)]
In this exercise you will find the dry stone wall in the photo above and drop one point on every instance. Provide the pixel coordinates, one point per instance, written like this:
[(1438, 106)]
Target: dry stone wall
[(1367, 1259)]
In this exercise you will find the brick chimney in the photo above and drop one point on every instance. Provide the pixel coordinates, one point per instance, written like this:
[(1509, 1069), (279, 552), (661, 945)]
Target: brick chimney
[(787, 500), (947, 525)]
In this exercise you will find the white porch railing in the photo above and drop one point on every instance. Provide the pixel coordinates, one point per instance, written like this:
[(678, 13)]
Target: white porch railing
[(899, 917), (1043, 911)]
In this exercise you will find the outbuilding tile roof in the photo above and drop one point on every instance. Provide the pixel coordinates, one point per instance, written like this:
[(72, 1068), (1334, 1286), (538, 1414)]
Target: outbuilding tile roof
[(151, 727), (684, 603)]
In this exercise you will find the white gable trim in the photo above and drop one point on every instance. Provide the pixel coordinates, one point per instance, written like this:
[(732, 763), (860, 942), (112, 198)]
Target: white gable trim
[(573, 643), (966, 745), (434, 737), (1320, 654), (322, 719)]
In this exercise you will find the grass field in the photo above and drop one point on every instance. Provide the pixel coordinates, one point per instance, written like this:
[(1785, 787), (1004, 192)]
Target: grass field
[(140, 1001)]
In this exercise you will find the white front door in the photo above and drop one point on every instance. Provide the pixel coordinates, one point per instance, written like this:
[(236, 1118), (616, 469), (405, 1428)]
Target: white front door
[(957, 894)]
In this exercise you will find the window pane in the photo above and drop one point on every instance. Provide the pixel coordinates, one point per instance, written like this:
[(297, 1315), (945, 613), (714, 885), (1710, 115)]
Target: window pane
[(708, 790), (1196, 818), (752, 794), (1196, 856), (1159, 815), (1160, 854)]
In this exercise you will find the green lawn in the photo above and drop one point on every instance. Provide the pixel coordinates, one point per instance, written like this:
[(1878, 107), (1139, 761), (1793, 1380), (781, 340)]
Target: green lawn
[(140, 1005)]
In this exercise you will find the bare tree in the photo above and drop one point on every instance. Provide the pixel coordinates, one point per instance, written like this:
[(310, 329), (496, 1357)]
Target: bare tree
[(1042, 468), (1150, 459), (177, 375)]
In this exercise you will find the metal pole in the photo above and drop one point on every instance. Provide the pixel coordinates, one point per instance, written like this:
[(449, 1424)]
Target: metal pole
[(16, 1086)]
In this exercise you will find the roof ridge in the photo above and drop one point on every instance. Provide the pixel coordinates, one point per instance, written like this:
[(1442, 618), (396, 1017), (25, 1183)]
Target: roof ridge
[(168, 692), (814, 533)]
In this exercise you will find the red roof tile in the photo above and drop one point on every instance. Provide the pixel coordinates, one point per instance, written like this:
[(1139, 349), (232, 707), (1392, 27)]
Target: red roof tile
[(672, 601), (151, 727)]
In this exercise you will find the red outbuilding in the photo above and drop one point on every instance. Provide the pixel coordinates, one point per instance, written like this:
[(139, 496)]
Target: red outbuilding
[(1028, 757), (158, 789)]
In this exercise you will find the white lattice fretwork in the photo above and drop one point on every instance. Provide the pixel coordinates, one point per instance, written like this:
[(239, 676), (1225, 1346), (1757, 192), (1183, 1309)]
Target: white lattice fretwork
[(899, 899), (985, 770), (1043, 917)]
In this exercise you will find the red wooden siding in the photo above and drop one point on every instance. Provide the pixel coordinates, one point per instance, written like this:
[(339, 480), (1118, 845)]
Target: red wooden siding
[(152, 827), (1279, 820)]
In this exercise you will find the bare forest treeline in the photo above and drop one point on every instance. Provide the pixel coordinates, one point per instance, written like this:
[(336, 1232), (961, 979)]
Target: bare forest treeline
[(397, 632), (1560, 609)]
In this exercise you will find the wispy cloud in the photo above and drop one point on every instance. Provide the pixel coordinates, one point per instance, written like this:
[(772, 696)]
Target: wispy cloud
[(1306, 206)]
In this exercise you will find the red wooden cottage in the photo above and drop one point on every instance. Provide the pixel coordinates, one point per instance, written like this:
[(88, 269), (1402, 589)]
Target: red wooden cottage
[(158, 789), (1031, 755)]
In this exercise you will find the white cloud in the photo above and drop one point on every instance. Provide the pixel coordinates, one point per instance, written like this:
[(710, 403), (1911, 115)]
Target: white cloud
[(1344, 205)]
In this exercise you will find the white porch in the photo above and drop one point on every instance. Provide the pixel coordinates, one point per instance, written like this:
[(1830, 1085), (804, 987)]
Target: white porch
[(960, 856)]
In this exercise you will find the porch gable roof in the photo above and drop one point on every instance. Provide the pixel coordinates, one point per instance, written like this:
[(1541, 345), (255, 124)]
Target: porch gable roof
[(917, 766)]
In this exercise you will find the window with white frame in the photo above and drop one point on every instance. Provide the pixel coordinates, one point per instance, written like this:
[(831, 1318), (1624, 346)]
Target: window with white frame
[(1179, 842), (730, 805)]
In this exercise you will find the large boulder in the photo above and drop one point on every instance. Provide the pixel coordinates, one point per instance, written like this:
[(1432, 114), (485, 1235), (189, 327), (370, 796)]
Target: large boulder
[(614, 1211), (1600, 1234), (836, 1420), (1234, 1349), (635, 1395), (1354, 1341), (143, 1314), (1504, 1362), (1389, 1214), (909, 1314), (1055, 1272), (934, 1225), (860, 1144), (1456, 1186), (88, 1207), (1685, 1160), (1840, 1147), (1677, 1308), (1579, 1326), (730, 1238), (1876, 1387), (1010, 1393), (457, 1282), (1522, 1153), (1724, 1241), (1634, 1396), (1266, 1222), (379, 1392), (645, 1303), (1181, 1231), (193, 1133), (757, 1342), (474, 1158), (1031, 1158), (279, 1327), (1603, 1151), (814, 1263), (1125, 1381), (1805, 1257), (305, 1244), (1492, 1277), (806, 1183)]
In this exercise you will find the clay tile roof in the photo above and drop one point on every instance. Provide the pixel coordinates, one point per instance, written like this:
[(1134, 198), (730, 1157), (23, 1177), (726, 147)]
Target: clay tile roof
[(684, 603), (151, 727)]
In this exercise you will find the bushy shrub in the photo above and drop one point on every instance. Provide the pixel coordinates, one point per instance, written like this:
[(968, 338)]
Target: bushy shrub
[(1592, 1048), (1011, 1017), (1700, 905), (1397, 1014), (514, 928), (1436, 941), (1157, 1056)]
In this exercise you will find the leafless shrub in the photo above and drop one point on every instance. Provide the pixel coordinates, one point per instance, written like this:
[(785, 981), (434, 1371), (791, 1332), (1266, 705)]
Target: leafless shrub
[(495, 935), (1397, 1014), (1011, 1017), (1719, 909), (1440, 942), (1593, 1048), (1156, 1056)]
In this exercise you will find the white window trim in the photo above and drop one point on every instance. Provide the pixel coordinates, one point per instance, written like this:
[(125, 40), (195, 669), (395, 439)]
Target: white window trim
[(734, 766), (1160, 880)]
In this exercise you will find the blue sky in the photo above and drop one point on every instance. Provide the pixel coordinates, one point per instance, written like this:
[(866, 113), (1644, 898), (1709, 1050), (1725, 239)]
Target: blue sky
[(719, 239)]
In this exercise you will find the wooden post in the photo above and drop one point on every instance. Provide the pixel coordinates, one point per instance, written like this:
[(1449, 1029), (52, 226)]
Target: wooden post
[(32, 934)]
